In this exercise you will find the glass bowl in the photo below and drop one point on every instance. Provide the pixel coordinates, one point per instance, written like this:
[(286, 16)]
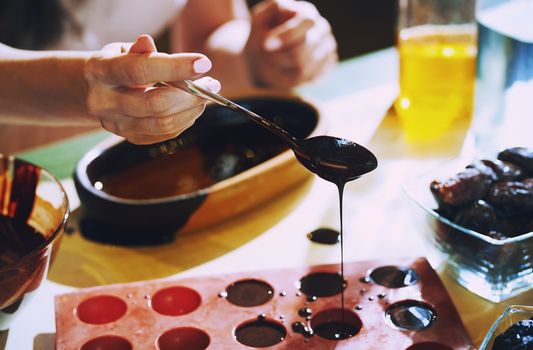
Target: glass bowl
[(510, 316), (493, 269), (33, 215)]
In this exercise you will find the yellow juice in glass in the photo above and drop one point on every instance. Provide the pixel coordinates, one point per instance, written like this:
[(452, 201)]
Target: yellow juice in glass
[(437, 73)]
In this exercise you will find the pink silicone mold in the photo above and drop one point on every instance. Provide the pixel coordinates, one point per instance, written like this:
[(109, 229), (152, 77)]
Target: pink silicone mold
[(396, 304)]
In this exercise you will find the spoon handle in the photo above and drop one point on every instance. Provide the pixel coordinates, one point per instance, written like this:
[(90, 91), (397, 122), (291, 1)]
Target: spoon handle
[(197, 90)]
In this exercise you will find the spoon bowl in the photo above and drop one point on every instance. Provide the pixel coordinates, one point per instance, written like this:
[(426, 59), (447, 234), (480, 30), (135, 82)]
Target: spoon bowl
[(335, 159)]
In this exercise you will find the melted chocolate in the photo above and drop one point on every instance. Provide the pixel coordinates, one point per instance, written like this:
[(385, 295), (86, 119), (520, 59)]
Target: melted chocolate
[(334, 159), (189, 167), (324, 236), (364, 280), (17, 240), (249, 293), (322, 284), (305, 312), (16, 237), (336, 330), (301, 328), (260, 333), (22, 199), (338, 161)]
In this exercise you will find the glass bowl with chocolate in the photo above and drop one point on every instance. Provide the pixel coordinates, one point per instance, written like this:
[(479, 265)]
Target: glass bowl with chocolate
[(33, 214), (478, 215), (513, 330)]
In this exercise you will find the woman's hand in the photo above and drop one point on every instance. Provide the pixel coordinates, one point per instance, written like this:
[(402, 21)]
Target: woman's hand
[(289, 44), (122, 95)]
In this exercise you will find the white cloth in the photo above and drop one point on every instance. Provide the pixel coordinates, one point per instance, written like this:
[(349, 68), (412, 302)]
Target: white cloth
[(106, 21)]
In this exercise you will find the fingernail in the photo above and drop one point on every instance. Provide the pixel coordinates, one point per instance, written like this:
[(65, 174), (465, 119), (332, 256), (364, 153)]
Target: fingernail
[(202, 65), (272, 44), (213, 85)]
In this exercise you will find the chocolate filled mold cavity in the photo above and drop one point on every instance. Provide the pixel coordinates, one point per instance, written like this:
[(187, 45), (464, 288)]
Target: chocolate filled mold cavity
[(336, 324), (107, 342), (410, 314), (394, 276), (176, 301), (101, 309), (429, 345), (249, 292), (183, 338), (260, 333), (321, 284)]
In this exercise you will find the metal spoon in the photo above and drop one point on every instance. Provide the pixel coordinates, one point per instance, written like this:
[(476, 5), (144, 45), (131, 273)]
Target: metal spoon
[(334, 159)]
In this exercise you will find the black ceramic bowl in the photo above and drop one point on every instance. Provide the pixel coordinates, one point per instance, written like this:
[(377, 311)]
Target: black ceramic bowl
[(219, 168)]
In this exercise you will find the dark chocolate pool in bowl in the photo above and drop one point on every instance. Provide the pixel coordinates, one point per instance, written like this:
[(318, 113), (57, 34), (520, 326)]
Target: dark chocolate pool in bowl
[(219, 168)]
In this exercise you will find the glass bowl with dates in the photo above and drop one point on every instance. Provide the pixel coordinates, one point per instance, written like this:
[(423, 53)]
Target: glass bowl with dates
[(513, 330), (477, 217)]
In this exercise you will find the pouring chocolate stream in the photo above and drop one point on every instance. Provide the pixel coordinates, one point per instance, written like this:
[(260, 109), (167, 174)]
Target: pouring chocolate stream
[(334, 159)]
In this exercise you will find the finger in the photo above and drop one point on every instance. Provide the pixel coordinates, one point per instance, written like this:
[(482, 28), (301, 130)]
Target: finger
[(318, 43), (277, 77), (135, 70), (144, 139), (319, 67), (144, 44), (160, 101), (292, 32), (308, 57), (293, 57), (154, 126), (176, 123), (286, 77), (295, 19), (265, 14), (209, 83), (105, 100), (115, 48)]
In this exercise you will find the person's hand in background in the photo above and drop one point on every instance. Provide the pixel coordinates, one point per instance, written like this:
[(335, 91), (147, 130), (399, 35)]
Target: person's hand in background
[(289, 43), (122, 95)]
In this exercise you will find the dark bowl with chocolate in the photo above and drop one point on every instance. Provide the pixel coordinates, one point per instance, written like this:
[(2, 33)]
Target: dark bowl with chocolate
[(477, 217), (33, 216), (221, 167)]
